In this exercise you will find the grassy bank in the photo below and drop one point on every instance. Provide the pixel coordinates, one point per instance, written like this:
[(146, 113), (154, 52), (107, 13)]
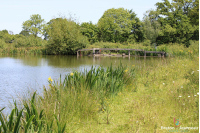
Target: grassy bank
[(173, 49), (23, 51), (117, 99)]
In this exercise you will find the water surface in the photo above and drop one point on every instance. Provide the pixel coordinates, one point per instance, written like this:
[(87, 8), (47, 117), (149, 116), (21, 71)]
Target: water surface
[(22, 75)]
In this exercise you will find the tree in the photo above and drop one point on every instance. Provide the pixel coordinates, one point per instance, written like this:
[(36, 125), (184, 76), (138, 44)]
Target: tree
[(151, 26), (194, 13), (194, 18), (34, 25), (8, 38), (116, 25), (24, 32), (175, 21), (136, 29), (90, 30), (64, 37)]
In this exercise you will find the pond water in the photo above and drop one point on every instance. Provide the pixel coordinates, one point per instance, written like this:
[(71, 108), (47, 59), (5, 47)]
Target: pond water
[(21, 75)]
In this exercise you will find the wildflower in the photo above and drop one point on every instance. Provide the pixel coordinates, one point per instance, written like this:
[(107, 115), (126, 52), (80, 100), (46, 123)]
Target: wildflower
[(126, 70), (182, 87), (198, 70), (192, 72), (188, 96), (71, 74), (180, 96), (190, 51), (173, 81), (50, 79), (197, 93), (163, 83)]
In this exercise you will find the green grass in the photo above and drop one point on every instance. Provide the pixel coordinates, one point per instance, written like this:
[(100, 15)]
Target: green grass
[(172, 50), (125, 99), (22, 51)]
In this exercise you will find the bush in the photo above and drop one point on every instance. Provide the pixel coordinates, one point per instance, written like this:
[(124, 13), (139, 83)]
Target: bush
[(65, 37), (2, 44)]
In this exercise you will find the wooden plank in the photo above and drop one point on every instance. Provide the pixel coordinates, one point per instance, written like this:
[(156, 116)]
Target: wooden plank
[(116, 49), (121, 49), (156, 52), (84, 49), (111, 49)]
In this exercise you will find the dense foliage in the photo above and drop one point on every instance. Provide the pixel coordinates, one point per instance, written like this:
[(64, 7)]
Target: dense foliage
[(64, 37), (171, 22)]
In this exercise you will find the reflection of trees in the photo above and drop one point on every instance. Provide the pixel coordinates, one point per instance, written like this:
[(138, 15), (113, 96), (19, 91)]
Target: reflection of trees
[(68, 61), (31, 60), (74, 62)]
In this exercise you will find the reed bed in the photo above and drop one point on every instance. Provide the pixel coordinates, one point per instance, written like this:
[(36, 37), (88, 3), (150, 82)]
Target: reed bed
[(81, 96)]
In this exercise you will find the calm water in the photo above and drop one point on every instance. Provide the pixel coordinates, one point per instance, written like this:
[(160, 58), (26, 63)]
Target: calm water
[(20, 75)]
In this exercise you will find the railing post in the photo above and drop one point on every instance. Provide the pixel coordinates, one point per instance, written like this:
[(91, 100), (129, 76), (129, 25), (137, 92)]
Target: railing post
[(77, 53), (93, 51)]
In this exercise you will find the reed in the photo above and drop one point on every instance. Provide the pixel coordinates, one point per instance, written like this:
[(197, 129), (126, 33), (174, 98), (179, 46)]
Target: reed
[(67, 100)]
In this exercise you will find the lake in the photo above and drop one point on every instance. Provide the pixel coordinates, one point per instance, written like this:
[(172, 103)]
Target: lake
[(22, 75)]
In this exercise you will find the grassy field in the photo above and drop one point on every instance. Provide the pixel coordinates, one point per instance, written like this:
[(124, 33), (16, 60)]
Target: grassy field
[(138, 99)]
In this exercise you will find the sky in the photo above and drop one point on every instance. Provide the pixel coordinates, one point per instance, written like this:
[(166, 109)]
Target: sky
[(14, 12)]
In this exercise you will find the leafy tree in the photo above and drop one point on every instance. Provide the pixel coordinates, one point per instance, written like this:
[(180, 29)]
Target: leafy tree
[(8, 38), (136, 29), (151, 26), (64, 37), (28, 41), (194, 18), (2, 43), (117, 24), (175, 21), (24, 32), (194, 13), (34, 25), (90, 30)]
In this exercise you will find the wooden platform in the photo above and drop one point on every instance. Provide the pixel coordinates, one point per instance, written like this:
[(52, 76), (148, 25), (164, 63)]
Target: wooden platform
[(97, 52)]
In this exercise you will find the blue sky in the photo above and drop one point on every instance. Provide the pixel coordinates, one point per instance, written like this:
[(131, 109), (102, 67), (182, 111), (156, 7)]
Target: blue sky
[(14, 12)]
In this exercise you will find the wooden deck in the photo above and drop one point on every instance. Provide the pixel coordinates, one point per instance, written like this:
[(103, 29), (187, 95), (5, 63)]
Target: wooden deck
[(97, 51)]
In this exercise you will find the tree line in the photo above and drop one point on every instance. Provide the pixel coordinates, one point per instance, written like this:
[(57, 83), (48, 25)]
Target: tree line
[(171, 22)]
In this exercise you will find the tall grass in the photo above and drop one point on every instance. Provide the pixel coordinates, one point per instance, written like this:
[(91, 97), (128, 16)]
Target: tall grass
[(23, 51), (116, 99), (81, 96), (172, 49)]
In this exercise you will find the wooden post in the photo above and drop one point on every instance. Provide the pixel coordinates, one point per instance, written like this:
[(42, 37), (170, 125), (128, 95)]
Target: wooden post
[(164, 54), (77, 53), (93, 51), (144, 53), (129, 54)]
